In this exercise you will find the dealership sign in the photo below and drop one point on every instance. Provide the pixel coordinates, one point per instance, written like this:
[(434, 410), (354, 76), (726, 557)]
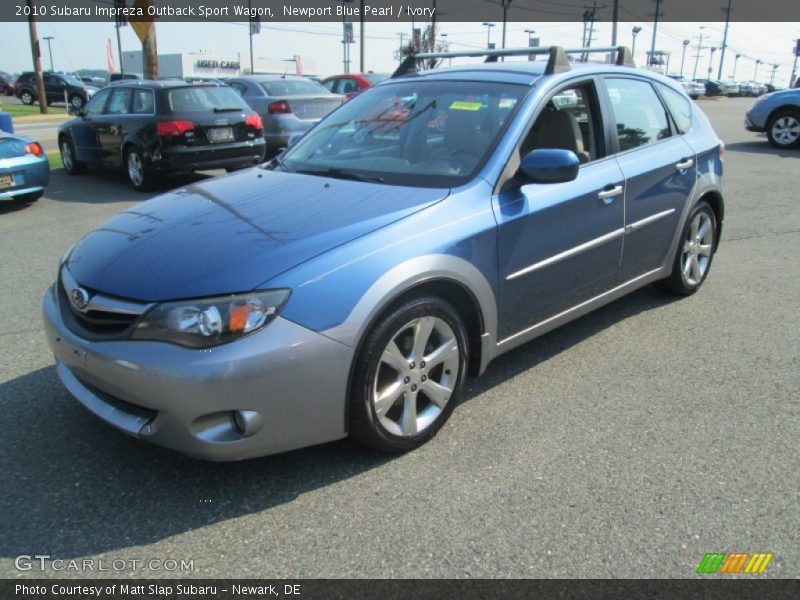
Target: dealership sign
[(232, 65)]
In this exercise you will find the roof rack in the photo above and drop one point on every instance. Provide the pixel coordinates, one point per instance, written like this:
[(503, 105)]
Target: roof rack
[(557, 61)]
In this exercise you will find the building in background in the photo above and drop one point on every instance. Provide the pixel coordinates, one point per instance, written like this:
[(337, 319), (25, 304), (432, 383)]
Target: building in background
[(206, 64)]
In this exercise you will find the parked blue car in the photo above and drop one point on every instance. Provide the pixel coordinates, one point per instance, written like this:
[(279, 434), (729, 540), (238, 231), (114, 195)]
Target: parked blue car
[(777, 114), (24, 168), (421, 230)]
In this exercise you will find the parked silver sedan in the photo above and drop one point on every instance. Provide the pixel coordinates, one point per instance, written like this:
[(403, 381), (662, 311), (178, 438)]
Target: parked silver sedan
[(24, 168), (288, 105)]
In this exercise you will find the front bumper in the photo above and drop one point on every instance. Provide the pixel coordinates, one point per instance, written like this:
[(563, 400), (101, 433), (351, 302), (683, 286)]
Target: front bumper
[(749, 125), (293, 379), (31, 175)]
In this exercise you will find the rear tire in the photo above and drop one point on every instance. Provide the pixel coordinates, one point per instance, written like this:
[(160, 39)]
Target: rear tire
[(71, 164), (695, 252), (136, 170), (783, 129), (408, 375)]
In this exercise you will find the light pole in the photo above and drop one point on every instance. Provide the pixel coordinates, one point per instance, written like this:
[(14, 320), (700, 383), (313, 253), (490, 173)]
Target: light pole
[(402, 35), (774, 70), (655, 29), (505, 4), (488, 34), (47, 38), (755, 75), (683, 55), (530, 33), (735, 62), (634, 32), (711, 61)]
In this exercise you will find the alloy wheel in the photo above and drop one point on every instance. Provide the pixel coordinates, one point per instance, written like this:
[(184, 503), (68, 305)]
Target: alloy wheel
[(418, 371), (135, 169), (786, 130), (697, 249), (66, 155)]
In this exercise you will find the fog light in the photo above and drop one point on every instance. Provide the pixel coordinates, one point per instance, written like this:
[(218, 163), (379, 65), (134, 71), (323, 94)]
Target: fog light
[(248, 422)]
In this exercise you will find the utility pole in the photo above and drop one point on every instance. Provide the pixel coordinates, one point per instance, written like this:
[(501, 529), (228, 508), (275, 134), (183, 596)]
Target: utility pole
[(488, 34), (727, 12), (47, 39), (361, 31), (655, 28), (402, 35), (505, 4), (683, 55), (793, 76), (615, 19), (150, 53), (37, 59), (433, 34), (755, 75), (252, 25), (699, 50)]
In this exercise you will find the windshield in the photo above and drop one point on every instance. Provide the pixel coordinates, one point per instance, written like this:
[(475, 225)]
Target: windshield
[(418, 133), (293, 87), (202, 99)]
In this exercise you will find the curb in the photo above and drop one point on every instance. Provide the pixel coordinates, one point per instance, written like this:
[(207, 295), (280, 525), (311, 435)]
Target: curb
[(39, 119)]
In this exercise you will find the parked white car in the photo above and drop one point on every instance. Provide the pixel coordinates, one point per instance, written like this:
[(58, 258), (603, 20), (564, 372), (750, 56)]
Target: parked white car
[(694, 89)]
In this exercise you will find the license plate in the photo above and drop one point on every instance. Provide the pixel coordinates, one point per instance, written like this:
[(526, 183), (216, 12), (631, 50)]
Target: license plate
[(6, 181), (220, 134)]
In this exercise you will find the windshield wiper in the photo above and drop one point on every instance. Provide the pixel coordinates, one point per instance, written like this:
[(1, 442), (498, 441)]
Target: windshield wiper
[(220, 109), (339, 173)]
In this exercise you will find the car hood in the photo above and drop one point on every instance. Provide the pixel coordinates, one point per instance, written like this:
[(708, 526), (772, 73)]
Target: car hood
[(232, 234)]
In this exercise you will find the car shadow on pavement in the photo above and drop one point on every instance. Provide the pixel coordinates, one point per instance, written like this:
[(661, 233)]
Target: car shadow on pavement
[(74, 487), (12, 206), (760, 147), (100, 186)]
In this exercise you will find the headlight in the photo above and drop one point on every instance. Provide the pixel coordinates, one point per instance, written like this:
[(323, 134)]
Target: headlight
[(211, 321)]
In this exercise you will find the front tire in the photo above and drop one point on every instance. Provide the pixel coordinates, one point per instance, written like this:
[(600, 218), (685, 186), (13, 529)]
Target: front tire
[(695, 253), (76, 101), (136, 170), (26, 97), (408, 375), (783, 129)]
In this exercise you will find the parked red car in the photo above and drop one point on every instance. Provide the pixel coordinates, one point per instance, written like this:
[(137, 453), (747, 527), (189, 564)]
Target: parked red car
[(353, 83)]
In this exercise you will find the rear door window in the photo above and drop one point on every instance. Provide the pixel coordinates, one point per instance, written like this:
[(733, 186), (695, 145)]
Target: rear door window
[(640, 117), (143, 102), (679, 107), (120, 101)]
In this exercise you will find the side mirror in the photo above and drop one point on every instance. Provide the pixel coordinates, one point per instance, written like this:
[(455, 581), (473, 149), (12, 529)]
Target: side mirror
[(549, 165)]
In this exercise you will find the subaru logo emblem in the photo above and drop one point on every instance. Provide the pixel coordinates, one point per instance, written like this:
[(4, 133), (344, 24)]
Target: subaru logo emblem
[(80, 298)]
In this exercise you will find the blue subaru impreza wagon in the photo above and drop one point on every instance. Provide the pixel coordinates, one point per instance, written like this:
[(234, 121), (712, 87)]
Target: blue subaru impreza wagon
[(419, 231)]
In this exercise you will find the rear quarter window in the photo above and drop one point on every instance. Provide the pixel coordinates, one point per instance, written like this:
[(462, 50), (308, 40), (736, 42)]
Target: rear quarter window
[(679, 107)]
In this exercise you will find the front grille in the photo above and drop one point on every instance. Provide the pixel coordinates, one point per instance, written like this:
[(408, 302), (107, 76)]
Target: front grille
[(107, 318)]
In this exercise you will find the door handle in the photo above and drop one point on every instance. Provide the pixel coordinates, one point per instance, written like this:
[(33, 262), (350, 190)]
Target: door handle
[(608, 194), (685, 164)]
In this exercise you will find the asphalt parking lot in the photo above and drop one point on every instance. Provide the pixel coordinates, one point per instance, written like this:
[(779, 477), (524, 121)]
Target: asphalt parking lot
[(626, 444)]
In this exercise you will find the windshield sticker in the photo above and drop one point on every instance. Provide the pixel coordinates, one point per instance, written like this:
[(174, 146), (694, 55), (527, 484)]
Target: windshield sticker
[(507, 103), (471, 106)]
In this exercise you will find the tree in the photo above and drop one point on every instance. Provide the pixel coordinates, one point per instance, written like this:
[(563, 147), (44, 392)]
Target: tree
[(427, 42)]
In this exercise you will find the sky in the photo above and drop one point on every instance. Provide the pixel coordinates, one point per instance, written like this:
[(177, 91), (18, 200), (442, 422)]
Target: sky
[(82, 45)]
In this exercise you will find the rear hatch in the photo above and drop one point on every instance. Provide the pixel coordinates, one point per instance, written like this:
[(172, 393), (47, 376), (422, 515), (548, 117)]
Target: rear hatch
[(207, 115)]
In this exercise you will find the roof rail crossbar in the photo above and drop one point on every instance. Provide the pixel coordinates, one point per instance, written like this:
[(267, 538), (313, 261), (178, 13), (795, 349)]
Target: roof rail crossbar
[(557, 61)]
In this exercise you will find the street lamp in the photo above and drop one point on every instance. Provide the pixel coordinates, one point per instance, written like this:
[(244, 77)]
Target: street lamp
[(755, 75), (711, 60), (735, 62), (488, 34), (634, 32), (530, 33), (683, 55), (49, 49)]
